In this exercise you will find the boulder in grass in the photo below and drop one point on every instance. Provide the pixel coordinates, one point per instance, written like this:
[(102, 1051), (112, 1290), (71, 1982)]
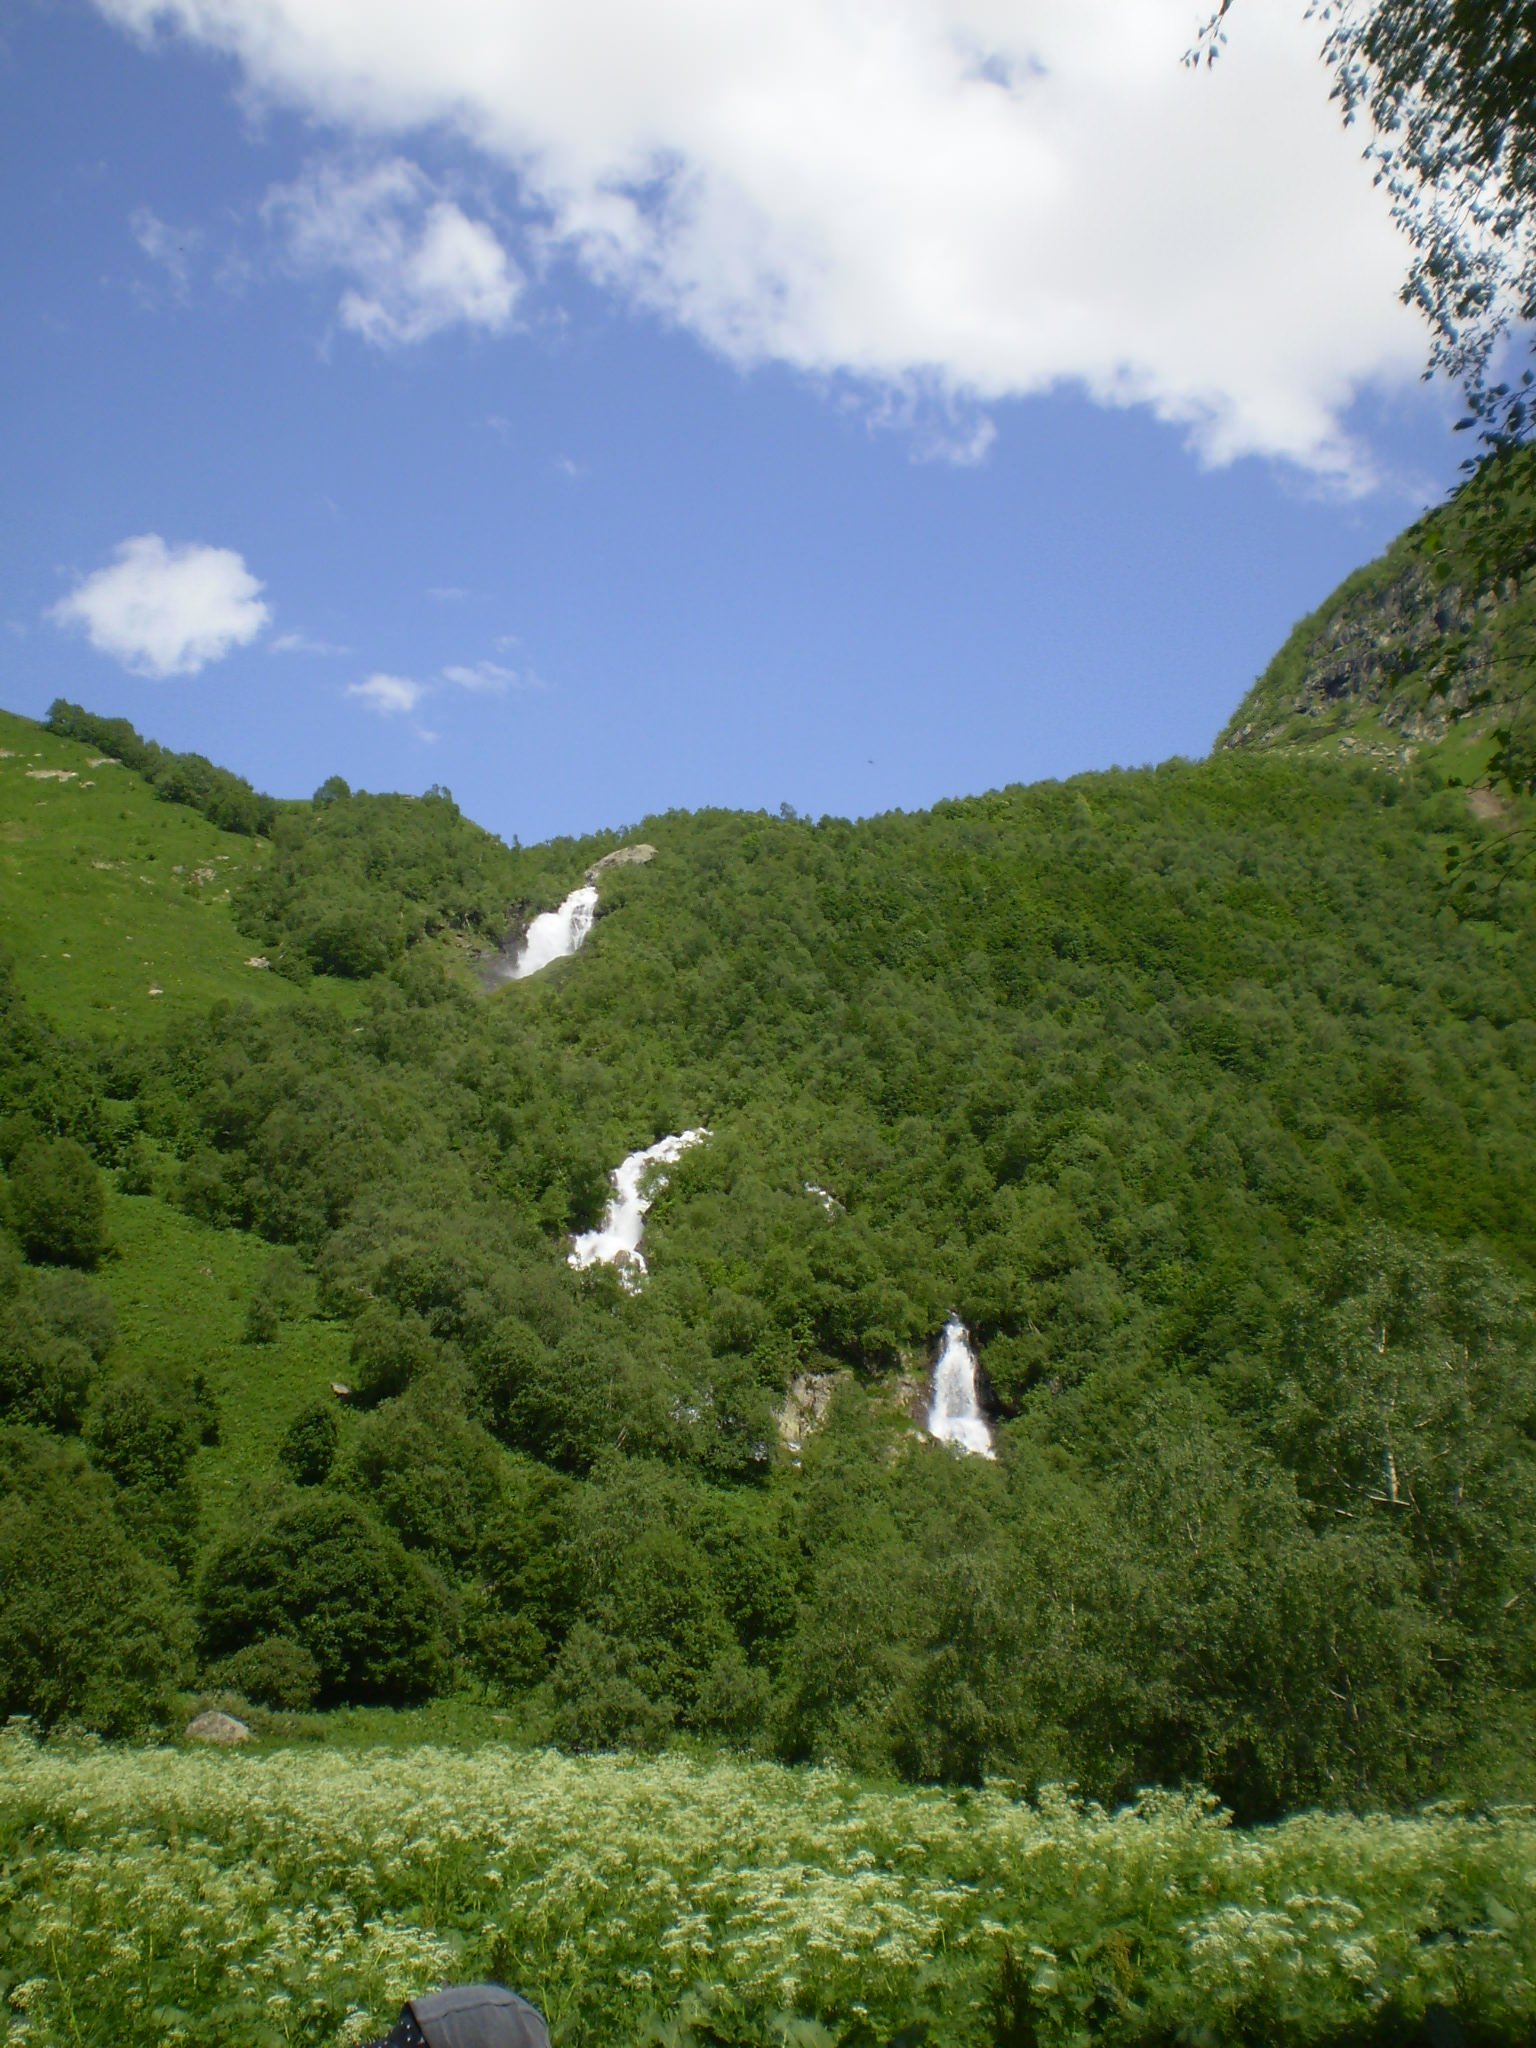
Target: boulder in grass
[(213, 1726)]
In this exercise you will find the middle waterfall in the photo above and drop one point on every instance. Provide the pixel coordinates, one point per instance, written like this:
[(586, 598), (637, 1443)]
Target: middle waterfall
[(635, 1185)]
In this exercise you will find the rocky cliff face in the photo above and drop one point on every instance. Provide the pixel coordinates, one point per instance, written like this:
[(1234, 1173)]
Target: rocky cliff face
[(1410, 653), (1415, 657)]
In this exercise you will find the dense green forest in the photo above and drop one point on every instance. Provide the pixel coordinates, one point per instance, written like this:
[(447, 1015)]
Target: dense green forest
[(1201, 1094)]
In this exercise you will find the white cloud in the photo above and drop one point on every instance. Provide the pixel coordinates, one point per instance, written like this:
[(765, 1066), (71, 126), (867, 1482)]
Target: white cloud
[(949, 202), (490, 678), (166, 611), (942, 426), (169, 248), (417, 261), (301, 643), (389, 696)]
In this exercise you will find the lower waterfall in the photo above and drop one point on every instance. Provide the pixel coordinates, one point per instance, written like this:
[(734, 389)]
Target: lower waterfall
[(954, 1414)]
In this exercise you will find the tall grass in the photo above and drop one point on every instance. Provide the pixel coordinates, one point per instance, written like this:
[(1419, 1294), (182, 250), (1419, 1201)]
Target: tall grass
[(158, 1896)]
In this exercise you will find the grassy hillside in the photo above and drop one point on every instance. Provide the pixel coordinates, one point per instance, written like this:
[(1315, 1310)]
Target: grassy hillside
[(181, 1291), (113, 901)]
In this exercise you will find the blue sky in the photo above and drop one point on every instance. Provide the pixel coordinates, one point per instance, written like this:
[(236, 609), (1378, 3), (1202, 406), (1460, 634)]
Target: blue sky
[(597, 410)]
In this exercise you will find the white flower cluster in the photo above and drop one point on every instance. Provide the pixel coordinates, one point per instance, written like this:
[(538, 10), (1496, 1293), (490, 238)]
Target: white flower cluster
[(162, 1896)]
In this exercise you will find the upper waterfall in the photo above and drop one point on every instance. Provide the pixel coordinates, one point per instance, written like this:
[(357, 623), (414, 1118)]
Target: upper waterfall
[(555, 934), (954, 1415), (635, 1186)]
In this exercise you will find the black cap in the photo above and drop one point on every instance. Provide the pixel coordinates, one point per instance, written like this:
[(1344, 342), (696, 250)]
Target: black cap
[(479, 2016)]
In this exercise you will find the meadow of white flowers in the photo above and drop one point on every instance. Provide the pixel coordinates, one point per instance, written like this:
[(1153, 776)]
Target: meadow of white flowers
[(298, 1895)]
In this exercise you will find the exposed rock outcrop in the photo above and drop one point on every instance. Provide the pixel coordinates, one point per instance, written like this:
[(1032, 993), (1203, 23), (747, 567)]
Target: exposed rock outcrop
[(1415, 654), (805, 1407), (622, 857)]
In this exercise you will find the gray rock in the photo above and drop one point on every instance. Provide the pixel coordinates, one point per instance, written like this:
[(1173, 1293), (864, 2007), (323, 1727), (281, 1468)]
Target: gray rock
[(622, 857), (805, 1407), (213, 1726)]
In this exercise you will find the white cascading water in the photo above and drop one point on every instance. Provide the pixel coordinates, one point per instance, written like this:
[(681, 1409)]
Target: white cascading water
[(954, 1415), (556, 934), (635, 1185)]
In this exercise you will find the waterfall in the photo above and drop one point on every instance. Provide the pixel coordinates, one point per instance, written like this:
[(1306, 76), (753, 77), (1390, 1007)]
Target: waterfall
[(954, 1415), (555, 934), (635, 1185)]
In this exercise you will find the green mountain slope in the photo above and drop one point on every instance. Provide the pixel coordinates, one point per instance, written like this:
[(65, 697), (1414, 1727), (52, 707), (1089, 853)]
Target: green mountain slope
[(1193, 1093)]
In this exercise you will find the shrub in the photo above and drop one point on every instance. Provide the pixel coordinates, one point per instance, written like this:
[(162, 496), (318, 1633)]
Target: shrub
[(323, 1573), (597, 1705), (90, 1631), (427, 1473), (508, 1649), (58, 1210), (142, 1434), (351, 940), (277, 1672), (262, 1321), (308, 1447), (49, 1340), (279, 1294), (202, 1189), (388, 1352), (44, 1380), (136, 1166), (77, 1310)]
